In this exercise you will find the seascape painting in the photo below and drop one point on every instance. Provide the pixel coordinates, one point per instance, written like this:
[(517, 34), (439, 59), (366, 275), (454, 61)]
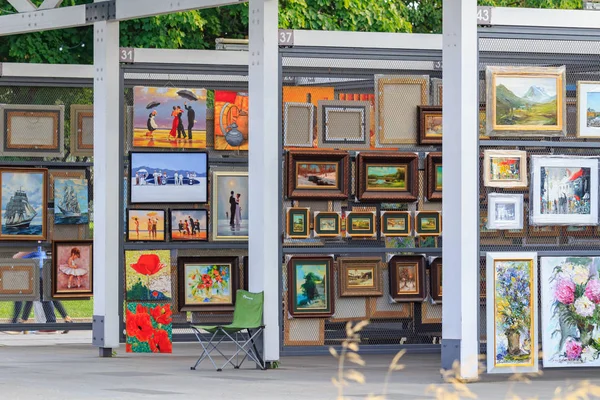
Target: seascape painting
[(168, 177), (526, 100), (189, 225), (146, 225), (230, 206), (570, 311), (23, 204), (70, 201), (317, 175), (72, 274), (168, 117), (149, 328), (386, 177), (148, 275), (231, 120)]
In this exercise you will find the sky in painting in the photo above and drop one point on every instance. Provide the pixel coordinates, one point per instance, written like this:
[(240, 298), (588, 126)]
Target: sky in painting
[(31, 183), (225, 184), (177, 215), (520, 85), (167, 97), (382, 170), (171, 161), (80, 187), (593, 101)]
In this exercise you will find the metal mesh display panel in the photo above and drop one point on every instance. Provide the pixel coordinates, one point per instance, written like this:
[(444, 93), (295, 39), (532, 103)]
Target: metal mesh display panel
[(47, 104)]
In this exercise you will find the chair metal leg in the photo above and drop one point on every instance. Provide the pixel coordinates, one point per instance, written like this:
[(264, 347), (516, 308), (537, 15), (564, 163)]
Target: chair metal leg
[(248, 353)]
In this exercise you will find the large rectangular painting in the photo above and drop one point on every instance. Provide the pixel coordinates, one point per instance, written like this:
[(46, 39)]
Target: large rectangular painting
[(168, 117), (317, 175), (230, 205), (189, 225), (565, 190), (149, 328), (231, 120), (70, 201), (146, 225), (168, 177), (526, 101), (310, 287), (207, 283), (23, 204), (387, 176), (512, 320), (148, 275), (570, 311), (72, 271)]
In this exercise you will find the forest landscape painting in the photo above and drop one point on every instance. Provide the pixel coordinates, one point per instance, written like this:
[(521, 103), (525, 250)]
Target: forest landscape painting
[(310, 287)]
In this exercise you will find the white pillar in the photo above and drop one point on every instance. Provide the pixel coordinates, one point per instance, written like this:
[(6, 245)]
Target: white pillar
[(264, 193), (106, 186), (460, 339)]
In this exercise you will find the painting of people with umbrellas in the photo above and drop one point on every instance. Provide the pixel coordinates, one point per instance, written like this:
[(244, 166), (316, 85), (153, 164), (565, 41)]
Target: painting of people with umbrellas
[(169, 117)]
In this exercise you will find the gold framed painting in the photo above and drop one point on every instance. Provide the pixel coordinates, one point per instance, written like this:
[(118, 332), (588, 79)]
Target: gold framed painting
[(229, 207), (298, 225), (396, 223), (360, 224), (428, 223), (526, 101), (359, 276), (505, 168), (327, 224)]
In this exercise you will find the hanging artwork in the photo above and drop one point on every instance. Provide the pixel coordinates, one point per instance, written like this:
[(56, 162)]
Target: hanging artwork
[(300, 104), (318, 175), (512, 320), (70, 201), (169, 117), (387, 177), (526, 101), (23, 204), (588, 109), (298, 225), (149, 328), (396, 223), (361, 224), (231, 120), (428, 223), (148, 275), (567, 189), (435, 275), (407, 278), (359, 276), (146, 225), (82, 130), (19, 279), (310, 287), (72, 270), (430, 124), (343, 124), (505, 168), (505, 211), (435, 180), (327, 224), (229, 212), (168, 177), (189, 225)]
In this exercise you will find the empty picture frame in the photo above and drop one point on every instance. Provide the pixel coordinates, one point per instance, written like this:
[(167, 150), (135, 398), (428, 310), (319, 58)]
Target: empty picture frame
[(32, 130), (82, 130), (343, 124), (19, 279), (396, 101), (437, 91), (298, 124)]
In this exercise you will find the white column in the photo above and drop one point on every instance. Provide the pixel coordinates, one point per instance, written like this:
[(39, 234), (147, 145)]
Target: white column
[(106, 186), (460, 339), (263, 166)]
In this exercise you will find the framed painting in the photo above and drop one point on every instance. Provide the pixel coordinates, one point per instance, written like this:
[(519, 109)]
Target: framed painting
[(298, 124), (505, 168), (588, 109), (168, 177), (71, 204), (54, 174), (298, 222), (231, 120), (23, 203), (518, 233), (484, 231), (82, 130), (482, 123), (505, 211), (567, 189), (428, 223), (525, 101), (72, 269), (149, 328), (318, 175), (430, 124), (544, 231), (396, 101), (570, 294), (229, 207), (387, 177), (360, 224), (343, 124), (437, 91), (188, 225), (359, 276), (578, 231), (407, 278), (168, 117), (148, 225), (435, 275), (310, 287), (148, 275), (433, 169), (396, 223), (513, 315), (207, 283), (19, 279), (32, 130), (327, 224)]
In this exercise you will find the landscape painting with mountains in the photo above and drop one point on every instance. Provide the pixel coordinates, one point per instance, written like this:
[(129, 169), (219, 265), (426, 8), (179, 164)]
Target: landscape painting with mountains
[(526, 100)]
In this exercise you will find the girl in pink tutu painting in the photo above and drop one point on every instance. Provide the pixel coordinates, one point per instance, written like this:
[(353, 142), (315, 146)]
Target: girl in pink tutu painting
[(72, 269)]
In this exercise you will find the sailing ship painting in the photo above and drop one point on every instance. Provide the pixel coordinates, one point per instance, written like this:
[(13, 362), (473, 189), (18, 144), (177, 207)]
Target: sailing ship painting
[(70, 201), (23, 203)]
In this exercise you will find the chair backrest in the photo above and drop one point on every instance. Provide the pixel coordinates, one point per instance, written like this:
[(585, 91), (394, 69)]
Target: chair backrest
[(248, 311)]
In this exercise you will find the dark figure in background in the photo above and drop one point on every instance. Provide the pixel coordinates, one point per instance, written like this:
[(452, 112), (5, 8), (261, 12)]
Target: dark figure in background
[(191, 115), (180, 128), (192, 226), (232, 207)]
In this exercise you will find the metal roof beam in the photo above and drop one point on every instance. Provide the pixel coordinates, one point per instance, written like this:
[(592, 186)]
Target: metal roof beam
[(22, 5), (132, 9)]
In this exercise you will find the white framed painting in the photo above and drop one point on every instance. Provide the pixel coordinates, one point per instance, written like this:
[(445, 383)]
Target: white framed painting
[(505, 211), (565, 190), (512, 313), (588, 109), (570, 298)]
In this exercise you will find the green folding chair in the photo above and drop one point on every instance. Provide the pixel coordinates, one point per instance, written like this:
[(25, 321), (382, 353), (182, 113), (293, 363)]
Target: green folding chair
[(243, 331)]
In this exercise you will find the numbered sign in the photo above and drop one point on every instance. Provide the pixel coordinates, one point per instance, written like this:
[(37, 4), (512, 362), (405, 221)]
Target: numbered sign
[(484, 15), (286, 37), (126, 55)]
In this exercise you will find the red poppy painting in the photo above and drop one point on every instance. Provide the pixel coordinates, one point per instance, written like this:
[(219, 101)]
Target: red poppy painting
[(149, 328), (148, 275)]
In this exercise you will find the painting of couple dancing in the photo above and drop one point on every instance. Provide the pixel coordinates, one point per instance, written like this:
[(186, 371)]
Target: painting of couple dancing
[(230, 197), (169, 117)]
